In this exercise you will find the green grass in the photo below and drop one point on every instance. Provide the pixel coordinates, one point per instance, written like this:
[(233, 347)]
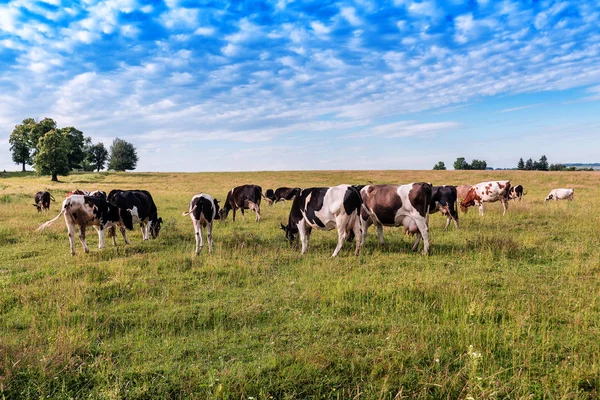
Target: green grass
[(505, 307)]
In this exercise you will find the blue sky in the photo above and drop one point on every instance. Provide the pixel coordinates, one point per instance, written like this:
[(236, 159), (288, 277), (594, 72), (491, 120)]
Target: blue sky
[(268, 85)]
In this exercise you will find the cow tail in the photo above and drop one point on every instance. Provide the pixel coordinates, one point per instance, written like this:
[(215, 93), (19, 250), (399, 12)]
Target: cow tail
[(47, 224), (52, 197), (185, 214)]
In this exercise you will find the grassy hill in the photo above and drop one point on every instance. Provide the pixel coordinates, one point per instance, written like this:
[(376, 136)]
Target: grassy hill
[(505, 307)]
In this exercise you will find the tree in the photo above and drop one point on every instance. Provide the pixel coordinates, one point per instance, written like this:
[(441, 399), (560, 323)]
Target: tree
[(76, 141), (123, 155), (521, 164), (440, 166), (460, 163), (543, 163), (52, 155), (557, 167), (96, 156), (478, 164), (529, 165), (20, 143), (39, 130)]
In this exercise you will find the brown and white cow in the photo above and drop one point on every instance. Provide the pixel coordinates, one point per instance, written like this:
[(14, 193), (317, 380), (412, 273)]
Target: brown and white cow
[(245, 197), (461, 191), (396, 205), (487, 192), (84, 211)]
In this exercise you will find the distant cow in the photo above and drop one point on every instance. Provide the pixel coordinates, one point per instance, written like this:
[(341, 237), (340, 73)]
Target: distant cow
[(443, 199), (396, 205), (561, 194), (325, 208), (143, 212), (282, 194), (516, 193), (42, 201), (203, 211), (487, 192), (245, 197), (83, 211)]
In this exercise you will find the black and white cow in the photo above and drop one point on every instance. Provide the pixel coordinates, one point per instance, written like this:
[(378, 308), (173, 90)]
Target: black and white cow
[(245, 197), (42, 201), (516, 193), (143, 212), (325, 208), (282, 194), (395, 205), (83, 211), (203, 211), (443, 199), (100, 194)]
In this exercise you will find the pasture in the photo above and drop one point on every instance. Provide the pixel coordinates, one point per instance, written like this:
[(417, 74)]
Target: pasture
[(505, 307)]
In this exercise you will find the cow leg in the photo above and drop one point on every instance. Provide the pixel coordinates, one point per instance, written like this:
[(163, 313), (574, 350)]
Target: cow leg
[(243, 216), (101, 237), (448, 218), (380, 233), (234, 213), (417, 241), (504, 205), (365, 227), (303, 236), (257, 211), (341, 237), (148, 228), (82, 238), (357, 234), (210, 238), (123, 232), (455, 222), (199, 238), (424, 231), (481, 209), (71, 229)]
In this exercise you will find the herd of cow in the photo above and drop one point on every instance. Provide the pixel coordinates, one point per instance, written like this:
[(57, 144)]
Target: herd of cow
[(351, 209)]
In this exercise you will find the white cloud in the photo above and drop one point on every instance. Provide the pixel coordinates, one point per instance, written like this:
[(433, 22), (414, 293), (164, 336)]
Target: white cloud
[(205, 31), (349, 14)]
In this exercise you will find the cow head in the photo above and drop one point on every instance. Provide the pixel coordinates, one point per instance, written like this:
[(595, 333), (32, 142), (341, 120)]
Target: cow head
[(289, 234), (468, 201), (550, 197), (217, 211), (155, 228), (38, 207), (223, 213)]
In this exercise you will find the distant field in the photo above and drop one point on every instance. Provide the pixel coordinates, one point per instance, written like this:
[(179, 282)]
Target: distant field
[(505, 307)]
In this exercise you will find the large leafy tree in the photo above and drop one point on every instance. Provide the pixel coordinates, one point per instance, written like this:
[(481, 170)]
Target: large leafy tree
[(20, 143), (39, 130), (76, 154), (52, 155), (478, 164), (461, 163), (96, 156), (123, 156)]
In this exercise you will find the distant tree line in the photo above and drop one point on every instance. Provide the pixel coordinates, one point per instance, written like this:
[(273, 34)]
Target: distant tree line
[(462, 164), (57, 151), (542, 165)]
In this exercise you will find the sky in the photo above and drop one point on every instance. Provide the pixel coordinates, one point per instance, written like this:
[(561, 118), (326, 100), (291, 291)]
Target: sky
[(304, 85)]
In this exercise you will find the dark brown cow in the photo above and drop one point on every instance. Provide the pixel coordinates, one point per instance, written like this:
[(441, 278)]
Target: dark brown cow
[(245, 197), (42, 201), (396, 205)]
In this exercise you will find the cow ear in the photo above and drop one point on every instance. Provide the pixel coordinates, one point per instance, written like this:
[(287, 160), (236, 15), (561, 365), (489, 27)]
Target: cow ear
[(160, 220)]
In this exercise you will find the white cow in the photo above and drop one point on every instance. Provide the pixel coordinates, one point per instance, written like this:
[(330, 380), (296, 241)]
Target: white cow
[(203, 211), (82, 211), (561, 194), (486, 192)]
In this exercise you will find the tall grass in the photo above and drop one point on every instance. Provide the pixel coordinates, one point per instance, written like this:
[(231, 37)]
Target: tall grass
[(505, 307)]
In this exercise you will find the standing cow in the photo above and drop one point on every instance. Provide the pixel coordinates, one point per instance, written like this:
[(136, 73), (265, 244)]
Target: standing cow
[(443, 199), (143, 212), (83, 211), (325, 208), (396, 205), (245, 197), (487, 192), (283, 193), (561, 194), (516, 193), (42, 201), (203, 211)]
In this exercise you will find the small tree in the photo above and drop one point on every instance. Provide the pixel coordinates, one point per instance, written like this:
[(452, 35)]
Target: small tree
[(543, 163), (440, 166), (96, 156), (478, 164), (557, 167), (20, 144), (521, 164), (52, 155), (529, 165), (460, 163), (123, 155)]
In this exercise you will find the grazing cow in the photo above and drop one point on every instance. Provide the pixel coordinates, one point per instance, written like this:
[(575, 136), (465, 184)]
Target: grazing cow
[(42, 201), (325, 208), (516, 192), (203, 211), (83, 211), (285, 193), (143, 212), (270, 196), (561, 194), (487, 192), (77, 191), (443, 199), (395, 205), (245, 197)]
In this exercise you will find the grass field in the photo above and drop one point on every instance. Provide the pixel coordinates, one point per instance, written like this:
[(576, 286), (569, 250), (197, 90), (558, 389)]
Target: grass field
[(505, 307)]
